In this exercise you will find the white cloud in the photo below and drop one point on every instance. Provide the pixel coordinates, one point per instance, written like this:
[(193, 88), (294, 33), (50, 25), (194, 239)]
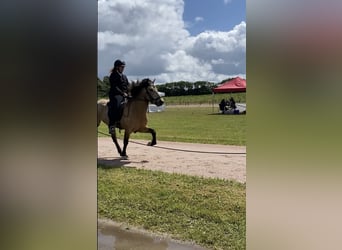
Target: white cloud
[(217, 61), (151, 36), (199, 19), (227, 47)]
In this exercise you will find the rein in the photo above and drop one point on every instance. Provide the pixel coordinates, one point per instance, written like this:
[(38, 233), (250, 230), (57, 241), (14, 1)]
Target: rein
[(140, 100)]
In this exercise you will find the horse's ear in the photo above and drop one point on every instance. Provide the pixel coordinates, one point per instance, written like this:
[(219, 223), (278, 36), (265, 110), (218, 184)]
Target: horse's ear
[(153, 81)]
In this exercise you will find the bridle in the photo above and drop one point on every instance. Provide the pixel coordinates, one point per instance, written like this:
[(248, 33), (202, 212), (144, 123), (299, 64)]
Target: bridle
[(145, 100), (151, 98)]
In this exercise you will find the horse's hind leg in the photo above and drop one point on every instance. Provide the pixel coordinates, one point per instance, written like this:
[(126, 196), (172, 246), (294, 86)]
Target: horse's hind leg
[(116, 143)]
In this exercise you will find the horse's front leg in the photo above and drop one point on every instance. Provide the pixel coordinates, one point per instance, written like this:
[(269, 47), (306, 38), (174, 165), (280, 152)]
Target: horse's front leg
[(126, 139), (116, 143), (153, 133), (154, 137)]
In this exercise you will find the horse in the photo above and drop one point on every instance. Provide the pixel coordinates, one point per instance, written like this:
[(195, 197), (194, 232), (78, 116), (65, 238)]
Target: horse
[(134, 114)]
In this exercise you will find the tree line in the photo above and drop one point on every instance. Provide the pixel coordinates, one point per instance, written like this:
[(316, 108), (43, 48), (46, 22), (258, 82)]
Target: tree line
[(180, 88)]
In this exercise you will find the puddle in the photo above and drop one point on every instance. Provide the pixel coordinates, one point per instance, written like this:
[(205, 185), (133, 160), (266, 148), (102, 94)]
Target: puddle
[(113, 237)]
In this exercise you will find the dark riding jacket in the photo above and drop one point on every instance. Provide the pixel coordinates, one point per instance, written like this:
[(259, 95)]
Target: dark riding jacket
[(118, 84)]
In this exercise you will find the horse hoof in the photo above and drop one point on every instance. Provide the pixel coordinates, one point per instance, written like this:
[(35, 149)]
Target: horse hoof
[(151, 143), (124, 156)]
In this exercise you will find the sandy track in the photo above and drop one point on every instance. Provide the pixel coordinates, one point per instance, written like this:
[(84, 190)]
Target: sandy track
[(208, 160)]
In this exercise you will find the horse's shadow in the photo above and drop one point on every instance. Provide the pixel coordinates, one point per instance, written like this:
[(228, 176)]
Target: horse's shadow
[(109, 163)]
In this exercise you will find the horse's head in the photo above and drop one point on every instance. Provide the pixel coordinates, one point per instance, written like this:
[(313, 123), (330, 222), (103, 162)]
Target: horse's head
[(152, 94)]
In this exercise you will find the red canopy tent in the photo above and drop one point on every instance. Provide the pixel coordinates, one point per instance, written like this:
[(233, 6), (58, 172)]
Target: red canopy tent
[(236, 84)]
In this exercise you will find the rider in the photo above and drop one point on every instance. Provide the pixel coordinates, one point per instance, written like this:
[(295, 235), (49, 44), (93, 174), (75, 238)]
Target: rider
[(117, 93)]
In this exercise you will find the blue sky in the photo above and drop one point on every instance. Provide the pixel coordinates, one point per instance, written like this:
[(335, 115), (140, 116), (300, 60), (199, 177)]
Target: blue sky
[(173, 40), (213, 14)]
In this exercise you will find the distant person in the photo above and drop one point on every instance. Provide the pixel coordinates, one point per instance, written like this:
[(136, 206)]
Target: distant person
[(117, 93), (232, 103), (222, 105)]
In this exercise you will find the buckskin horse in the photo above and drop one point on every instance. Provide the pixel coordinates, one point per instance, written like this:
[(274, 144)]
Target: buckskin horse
[(134, 114)]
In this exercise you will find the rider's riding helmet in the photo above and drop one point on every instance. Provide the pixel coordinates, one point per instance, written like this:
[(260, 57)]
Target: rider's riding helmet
[(118, 63)]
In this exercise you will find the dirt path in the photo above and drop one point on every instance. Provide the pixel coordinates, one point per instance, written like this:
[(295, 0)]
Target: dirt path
[(209, 160)]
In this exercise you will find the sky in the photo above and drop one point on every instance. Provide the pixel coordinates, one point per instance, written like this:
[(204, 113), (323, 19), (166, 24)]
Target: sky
[(173, 40)]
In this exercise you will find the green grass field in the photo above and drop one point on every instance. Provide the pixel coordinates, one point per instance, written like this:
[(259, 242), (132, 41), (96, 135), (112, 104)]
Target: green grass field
[(210, 212), (194, 124)]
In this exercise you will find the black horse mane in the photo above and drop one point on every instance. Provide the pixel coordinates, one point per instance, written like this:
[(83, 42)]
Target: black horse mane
[(138, 86)]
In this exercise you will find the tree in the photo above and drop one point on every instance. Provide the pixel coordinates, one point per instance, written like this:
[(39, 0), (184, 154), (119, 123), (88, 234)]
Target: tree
[(103, 87), (180, 88), (186, 88)]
